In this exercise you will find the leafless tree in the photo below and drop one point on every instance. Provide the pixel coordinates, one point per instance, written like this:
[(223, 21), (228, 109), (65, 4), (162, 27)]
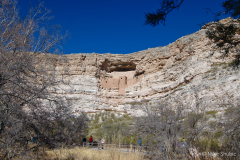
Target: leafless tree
[(162, 129), (229, 126), (166, 123), (27, 109)]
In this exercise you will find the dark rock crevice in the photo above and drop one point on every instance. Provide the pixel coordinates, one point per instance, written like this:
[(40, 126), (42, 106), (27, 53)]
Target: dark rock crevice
[(109, 66)]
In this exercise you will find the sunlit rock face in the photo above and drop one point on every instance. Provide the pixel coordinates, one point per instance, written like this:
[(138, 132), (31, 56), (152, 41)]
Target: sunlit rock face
[(185, 71)]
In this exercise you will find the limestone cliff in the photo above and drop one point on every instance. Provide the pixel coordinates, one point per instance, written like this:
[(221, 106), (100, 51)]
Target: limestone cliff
[(186, 70)]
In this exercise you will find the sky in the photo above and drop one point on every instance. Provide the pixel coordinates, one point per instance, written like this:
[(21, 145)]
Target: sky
[(117, 26)]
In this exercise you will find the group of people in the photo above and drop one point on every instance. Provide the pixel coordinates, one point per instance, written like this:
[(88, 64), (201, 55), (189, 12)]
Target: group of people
[(183, 144), (90, 140)]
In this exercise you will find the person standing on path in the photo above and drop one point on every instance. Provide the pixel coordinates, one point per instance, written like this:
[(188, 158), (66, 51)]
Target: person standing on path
[(90, 140), (102, 141), (139, 144), (84, 140), (184, 143)]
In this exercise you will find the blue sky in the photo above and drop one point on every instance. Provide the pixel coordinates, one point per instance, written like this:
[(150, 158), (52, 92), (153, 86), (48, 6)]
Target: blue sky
[(117, 26)]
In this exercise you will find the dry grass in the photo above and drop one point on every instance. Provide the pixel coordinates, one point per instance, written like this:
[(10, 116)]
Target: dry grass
[(88, 154)]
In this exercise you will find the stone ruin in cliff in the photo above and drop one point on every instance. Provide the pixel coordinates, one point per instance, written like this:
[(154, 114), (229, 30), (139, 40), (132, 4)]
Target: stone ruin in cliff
[(119, 76)]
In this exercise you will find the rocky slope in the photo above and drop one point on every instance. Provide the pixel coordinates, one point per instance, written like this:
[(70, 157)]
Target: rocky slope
[(187, 71)]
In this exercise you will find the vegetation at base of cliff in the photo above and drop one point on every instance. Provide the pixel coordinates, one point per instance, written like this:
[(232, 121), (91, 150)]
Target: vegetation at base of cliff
[(114, 128), (164, 129)]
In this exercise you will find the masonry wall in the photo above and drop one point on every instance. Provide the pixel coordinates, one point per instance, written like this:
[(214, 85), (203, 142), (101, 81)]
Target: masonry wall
[(122, 84), (109, 83), (120, 81)]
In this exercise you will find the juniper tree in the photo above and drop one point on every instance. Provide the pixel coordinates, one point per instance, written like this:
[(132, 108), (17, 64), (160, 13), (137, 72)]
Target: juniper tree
[(231, 7)]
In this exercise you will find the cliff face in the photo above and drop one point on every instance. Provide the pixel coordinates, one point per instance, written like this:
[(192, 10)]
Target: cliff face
[(185, 70)]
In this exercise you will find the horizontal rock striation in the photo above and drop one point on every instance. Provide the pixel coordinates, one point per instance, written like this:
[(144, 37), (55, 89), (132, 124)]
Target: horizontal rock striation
[(185, 71)]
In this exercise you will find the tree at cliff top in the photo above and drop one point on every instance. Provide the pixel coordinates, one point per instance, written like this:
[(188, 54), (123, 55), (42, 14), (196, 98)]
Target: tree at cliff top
[(230, 7), (27, 109), (167, 6)]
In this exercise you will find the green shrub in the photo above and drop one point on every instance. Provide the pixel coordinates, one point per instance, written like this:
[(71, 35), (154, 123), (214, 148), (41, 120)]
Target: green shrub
[(213, 113), (192, 119), (214, 145), (208, 144), (112, 128), (218, 134)]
